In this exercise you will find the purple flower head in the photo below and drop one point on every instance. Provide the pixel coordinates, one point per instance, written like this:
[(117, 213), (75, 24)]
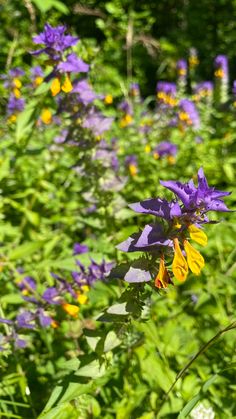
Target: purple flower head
[(221, 62), (134, 89), (73, 64), (132, 159), (36, 72), (166, 148), (25, 319), (15, 105), (126, 107), (96, 122), (158, 207), (61, 138), (20, 343), (204, 88), (27, 284), (16, 72), (54, 40), (51, 296), (167, 88), (80, 248), (151, 238), (202, 198), (85, 93), (188, 113), (43, 318), (182, 67)]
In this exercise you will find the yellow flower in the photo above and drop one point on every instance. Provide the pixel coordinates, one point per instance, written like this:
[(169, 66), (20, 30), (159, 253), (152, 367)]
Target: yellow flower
[(147, 148), (156, 155), (126, 120), (133, 169), (38, 80), (194, 258), (46, 116), (12, 118), (55, 87), (17, 92), (17, 83), (108, 99), (54, 324), (171, 159), (219, 73), (163, 278), (71, 309), (197, 235), (179, 266), (67, 86), (82, 298)]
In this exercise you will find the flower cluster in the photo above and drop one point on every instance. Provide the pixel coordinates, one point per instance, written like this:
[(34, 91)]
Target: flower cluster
[(166, 93), (183, 219)]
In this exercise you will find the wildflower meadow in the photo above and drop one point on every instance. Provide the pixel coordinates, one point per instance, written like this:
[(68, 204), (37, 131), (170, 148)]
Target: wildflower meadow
[(118, 200)]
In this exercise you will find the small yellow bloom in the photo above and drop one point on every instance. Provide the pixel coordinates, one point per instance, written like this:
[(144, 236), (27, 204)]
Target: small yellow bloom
[(163, 278), (85, 288), (179, 266), (171, 159), (194, 258), (126, 120), (219, 73), (156, 155), (54, 324), (17, 83), (67, 86), (71, 309), (46, 116), (12, 118), (197, 235), (182, 72), (193, 61), (133, 169), (147, 148), (108, 99), (55, 87), (16, 92), (38, 80), (82, 298)]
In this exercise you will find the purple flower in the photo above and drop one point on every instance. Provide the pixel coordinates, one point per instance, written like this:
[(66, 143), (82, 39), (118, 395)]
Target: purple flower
[(15, 105), (167, 88), (16, 72), (73, 64), (204, 88), (36, 72), (134, 89), (221, 63), (80, 248), (166, 148), (54, 40), (85, 92), (44, 319), (126, 107), (25, 319), (182, 67), (188, 113), (158, 207), (51, 296), (203, 197), (27, 284), (61, 138), (151, 238), (96, 122)]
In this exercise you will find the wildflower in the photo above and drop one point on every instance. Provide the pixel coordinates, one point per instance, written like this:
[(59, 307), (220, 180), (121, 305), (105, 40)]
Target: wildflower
[(14, 107), (96, 122), (37, 75), (182, 67), (165, 149), (188, 114), (108, 99), (193, 58), (166, 93), (80, 248), (126, 120), (222, 78), (182, 220), (54, 40), (134, 90), (203, 90), (84, 91), (71, 309), (46, 116), (202, 412), (132, 164)]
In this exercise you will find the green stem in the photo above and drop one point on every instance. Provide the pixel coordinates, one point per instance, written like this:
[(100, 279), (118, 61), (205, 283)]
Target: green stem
[(200, 352)]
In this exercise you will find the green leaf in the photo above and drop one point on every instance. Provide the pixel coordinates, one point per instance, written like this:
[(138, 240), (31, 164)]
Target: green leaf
[(111, 341), (24, 250)]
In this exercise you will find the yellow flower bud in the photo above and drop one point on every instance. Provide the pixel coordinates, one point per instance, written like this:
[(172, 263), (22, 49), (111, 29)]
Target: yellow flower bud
[(194, 258), (67, 86), (197, 235), (46, 116), (71, 309), (179, 266), (108, 99), (55, 87)]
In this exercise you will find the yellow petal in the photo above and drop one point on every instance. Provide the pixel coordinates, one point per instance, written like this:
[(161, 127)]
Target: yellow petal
[(55, 87), (163, 278), (46, 116), (17, 83), (197, 235), (70, 309), (133, 169), (179, 266), (82, 298), (17, 92), (194, 258), (108, 99), (38, 80), (67, 86)]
